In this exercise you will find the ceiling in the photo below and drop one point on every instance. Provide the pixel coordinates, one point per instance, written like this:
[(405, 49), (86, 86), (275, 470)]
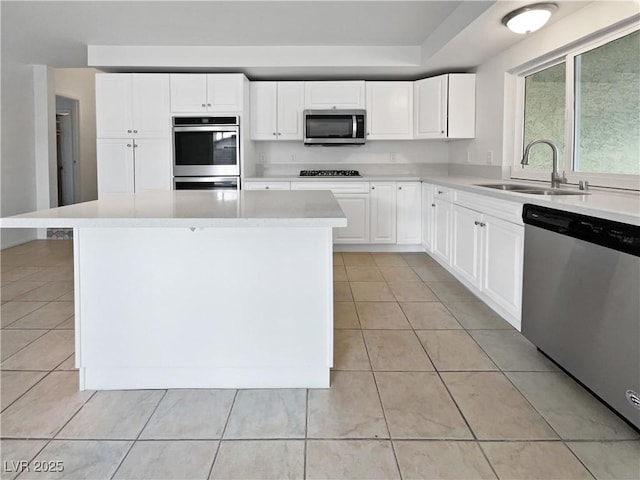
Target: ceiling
[(437, 35)]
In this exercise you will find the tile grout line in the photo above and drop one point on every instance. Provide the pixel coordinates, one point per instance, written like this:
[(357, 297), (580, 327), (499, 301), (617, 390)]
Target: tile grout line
[(155, 409), (306, 432), (224, 430)]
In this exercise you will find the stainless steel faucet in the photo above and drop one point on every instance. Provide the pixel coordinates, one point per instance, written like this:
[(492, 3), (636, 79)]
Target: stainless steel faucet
[(556, 179)]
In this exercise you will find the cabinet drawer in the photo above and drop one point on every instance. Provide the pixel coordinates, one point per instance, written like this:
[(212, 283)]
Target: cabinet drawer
[(267, 186), (442, 193), (335, 187), (504, 209)]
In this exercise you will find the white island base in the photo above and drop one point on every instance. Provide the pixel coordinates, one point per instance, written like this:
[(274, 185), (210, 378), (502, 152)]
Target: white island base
[(206, 308), (201, 289)]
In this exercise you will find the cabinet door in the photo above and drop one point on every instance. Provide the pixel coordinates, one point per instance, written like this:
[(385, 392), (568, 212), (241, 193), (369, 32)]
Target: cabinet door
[(224, 92), (427, 216), (290, 106), (113, 106), (389, 110), (324, 95), (188, 93), (430, 108), (151, 114), (383, 212), (461, 121), (356, 208), (267, 186), (466, 244), (152, 159), (409, 213), (442, 230), (264, 100), (115, 166), (502, 254)]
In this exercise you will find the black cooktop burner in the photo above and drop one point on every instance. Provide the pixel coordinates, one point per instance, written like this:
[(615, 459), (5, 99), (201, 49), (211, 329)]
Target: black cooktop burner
[(329, 173)]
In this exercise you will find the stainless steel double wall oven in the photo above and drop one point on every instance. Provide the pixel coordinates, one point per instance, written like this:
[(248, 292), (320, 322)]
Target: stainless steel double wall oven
[(206, 153)]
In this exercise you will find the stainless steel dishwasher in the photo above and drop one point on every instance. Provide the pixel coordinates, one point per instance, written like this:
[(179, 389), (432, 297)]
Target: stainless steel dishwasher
[(581, 301)]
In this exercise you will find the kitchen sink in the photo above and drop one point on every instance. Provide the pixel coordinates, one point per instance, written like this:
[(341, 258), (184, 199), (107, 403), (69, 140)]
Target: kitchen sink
[(528, 189)]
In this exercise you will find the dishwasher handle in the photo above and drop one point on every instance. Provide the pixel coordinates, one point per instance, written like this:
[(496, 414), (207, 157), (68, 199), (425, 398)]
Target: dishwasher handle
[(618, 236)]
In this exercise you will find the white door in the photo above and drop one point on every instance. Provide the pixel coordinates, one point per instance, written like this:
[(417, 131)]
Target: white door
[(430, 112), (188, 93), (442, 230), (224, 92), (264, 100), (427, 216), (290, 106), (115, 166), (151, 114), (502, 254), (113, 106), (152, 159), (321, 95), (409, 213), (389, 110), (356, 208), (383, 212), (466, 244)]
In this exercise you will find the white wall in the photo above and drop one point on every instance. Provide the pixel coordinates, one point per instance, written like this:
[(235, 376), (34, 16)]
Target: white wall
[(373, 157), (79, 84), (17, 163), (495, 87)]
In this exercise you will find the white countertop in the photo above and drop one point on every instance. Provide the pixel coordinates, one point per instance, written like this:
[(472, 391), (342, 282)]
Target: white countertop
[(194, 209), (619, 206), (614, 205)]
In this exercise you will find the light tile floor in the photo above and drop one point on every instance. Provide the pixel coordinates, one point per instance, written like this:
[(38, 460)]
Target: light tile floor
[(428, 383)]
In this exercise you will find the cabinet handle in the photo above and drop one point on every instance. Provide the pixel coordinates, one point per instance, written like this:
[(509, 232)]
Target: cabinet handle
[(279, 133), (135, 145), (204, 105), (128, 131), (442, 131), (135, 131), (482, 224), (433, 205), (476, 222), (373, 188), (399, 188), (440, 192), (266, 188), (208, 104), (274, 133), (128, 144)]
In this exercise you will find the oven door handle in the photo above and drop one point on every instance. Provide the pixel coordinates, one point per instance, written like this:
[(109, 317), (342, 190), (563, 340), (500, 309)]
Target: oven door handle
[(208, 128), (355, 126)]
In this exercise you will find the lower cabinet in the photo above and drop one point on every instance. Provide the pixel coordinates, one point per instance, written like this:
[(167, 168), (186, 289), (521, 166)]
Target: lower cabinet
[(383, 201), (133, 165), (441, 235), (409, 213), (356, 208)]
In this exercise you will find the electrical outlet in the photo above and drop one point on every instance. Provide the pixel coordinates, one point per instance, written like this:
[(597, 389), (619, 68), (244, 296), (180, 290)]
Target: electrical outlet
[(293, 158), (489, 157)]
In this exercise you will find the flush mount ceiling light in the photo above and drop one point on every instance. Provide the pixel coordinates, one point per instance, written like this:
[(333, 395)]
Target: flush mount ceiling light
[(530, 18)]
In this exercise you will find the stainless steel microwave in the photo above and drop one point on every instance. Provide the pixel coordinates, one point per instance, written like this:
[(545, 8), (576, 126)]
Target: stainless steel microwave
[(334, 127)]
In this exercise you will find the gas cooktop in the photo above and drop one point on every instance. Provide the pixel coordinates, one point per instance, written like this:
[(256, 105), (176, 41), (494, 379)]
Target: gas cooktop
[(329, 173)]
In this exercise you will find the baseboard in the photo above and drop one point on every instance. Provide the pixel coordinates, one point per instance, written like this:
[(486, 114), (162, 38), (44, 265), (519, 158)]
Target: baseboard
[(367, 247)]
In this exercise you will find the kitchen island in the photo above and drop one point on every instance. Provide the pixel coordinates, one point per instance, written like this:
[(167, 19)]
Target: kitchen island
[(201, 289)]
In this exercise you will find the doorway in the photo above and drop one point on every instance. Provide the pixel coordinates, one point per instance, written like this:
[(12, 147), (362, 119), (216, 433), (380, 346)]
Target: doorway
[(66, 149)]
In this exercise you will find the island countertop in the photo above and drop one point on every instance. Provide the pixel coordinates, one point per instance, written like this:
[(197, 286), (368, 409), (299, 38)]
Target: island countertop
[(193, 209)]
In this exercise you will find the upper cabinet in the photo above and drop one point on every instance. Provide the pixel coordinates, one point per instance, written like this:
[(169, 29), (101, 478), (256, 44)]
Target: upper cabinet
[(445, 106), (324, 95), (389, 110), (207, 93), (276, 110), (132, 105)]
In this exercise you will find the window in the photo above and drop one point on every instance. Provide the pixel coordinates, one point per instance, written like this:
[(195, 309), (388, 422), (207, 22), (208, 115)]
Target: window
[(588, 104)]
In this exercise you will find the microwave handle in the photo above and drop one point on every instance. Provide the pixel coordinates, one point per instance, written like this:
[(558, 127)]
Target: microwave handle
[(355, 126)]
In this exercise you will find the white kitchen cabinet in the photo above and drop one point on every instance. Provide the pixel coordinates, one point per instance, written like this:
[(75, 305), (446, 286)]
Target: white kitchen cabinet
[(445, 106), (132, 105), (276, 110), (207, 93), (344, 94), (441, 227), (427, 216), (383, 212), (502, 257), (356, 209), (466, 237), (267, 186), (133, 165), (389, 110), (409, 213)]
